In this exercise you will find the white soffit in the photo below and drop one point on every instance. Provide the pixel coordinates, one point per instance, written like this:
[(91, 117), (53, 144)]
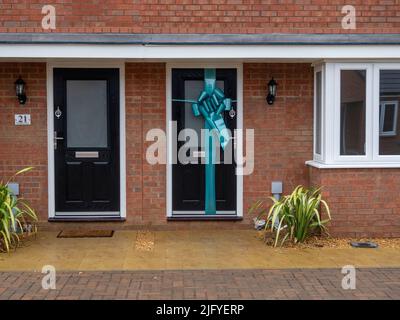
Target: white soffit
[(144, 52)]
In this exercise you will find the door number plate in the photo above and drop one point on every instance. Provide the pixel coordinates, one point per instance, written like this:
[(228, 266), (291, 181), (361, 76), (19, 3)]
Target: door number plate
[(22, 119)]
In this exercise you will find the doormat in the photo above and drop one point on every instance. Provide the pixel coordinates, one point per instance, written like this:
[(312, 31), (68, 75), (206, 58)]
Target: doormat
[(85, 234)]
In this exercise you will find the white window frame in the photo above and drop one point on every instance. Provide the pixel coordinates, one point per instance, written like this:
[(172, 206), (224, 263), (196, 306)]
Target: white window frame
[(382, 106), (330, 149), (376, 126), (319, 156), (368, 113)]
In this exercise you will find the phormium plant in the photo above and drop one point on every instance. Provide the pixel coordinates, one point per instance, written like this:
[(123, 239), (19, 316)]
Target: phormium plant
[(16, 216), (294, 217)]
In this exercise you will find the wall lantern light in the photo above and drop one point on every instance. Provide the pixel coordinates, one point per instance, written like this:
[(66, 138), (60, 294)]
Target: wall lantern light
[(271, 91), (20, 90)]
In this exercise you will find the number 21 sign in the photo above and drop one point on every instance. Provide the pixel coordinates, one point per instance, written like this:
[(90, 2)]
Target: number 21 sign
[(22, 119)]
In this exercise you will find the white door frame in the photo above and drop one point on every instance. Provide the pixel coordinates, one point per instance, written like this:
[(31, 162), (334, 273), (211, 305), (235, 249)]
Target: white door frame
[(50, 129), (239, 85)]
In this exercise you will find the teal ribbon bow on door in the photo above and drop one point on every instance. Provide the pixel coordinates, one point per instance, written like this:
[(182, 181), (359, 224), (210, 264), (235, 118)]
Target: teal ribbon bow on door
[(211, 104)]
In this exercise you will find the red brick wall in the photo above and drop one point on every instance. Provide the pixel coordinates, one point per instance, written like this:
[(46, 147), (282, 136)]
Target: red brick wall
[(201, 16), (283, 135), (363, 202), (23, 146), (145, 109), (283, 131)]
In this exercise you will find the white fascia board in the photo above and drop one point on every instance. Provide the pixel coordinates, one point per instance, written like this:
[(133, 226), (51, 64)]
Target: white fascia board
[(144, 52)]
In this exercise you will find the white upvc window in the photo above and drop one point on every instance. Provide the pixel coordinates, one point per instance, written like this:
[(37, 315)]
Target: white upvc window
[(318, 112), (356, 116)]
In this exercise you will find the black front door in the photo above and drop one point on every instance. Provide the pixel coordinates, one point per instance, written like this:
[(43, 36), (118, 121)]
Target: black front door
[(188, 180), (86, 141)]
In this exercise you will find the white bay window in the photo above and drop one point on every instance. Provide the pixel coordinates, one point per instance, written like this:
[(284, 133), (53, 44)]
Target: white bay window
[(356, 116)]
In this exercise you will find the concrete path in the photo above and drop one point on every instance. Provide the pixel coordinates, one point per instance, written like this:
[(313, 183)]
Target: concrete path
[(183, 250)]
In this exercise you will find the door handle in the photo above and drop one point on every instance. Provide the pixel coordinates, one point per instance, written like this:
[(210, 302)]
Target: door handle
[(56, 139)]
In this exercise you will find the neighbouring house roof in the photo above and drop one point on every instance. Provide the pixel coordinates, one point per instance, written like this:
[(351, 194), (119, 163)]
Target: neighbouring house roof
[(200, 39)]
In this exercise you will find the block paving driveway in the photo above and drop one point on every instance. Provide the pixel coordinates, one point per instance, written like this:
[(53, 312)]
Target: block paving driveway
[(371, 283)]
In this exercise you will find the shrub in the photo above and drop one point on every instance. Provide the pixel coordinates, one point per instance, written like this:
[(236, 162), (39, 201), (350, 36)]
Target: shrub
[(294, 217), (15, 216)]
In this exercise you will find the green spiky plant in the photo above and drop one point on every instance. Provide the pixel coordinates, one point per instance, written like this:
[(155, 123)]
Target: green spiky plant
[(294, 217), (15, 214)]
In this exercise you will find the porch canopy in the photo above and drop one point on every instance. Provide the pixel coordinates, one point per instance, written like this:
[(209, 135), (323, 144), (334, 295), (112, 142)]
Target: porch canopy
[(199, 46)]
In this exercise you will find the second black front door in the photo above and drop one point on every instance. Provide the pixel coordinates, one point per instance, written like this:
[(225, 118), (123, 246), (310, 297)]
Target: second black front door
[(86, 141), (188, 180)]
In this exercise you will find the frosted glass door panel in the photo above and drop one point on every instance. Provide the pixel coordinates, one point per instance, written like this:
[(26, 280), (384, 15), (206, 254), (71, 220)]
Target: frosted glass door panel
[(87, 113)]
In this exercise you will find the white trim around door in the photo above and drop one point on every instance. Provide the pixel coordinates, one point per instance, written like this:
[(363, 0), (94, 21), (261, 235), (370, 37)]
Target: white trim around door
[(239, 178), (50, 128)]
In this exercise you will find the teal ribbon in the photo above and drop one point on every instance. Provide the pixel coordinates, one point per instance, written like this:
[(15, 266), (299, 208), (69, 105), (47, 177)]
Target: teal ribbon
[(211, 104)]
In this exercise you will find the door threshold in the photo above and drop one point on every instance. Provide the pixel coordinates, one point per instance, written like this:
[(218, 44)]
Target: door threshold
[(204, 218), (86, 219)]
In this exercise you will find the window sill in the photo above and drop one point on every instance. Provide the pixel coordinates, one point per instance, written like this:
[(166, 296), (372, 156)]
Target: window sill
[(355, 165), (85, 219)]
